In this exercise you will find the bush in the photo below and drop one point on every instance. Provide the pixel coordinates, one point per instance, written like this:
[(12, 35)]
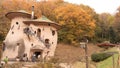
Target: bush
[(97, 57)]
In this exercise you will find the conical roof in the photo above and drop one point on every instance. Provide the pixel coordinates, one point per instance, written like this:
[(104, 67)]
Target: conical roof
[(21, 13)]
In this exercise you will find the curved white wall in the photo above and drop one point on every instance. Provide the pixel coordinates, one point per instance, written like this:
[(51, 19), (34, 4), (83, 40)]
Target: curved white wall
[(13, 37), (16, 33)]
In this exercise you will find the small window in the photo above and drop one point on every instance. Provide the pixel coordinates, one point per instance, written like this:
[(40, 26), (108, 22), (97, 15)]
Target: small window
[(17, 23), (12, 32), (18, 44), (49, 24), (47, 44), (34, 32), (27, 28), (32, 44), (46, 40), (53, 32), (39, 30)]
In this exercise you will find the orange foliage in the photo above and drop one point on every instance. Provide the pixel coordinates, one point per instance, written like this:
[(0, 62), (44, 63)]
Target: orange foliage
[(76, 19)]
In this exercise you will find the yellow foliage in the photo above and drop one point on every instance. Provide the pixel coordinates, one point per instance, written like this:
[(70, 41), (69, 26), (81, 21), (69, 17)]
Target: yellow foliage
[(75, 18)]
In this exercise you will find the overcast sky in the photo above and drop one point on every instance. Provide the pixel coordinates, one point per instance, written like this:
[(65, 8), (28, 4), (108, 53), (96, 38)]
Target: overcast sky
[(99, 6)]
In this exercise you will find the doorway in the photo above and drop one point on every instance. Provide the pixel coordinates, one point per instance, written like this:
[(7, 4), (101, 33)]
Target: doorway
[(37, 54)]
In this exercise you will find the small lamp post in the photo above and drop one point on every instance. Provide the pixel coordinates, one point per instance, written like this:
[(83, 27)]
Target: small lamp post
[(83, 45)]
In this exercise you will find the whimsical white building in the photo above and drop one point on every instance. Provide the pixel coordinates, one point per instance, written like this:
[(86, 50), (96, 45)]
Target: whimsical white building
[(30, 35)]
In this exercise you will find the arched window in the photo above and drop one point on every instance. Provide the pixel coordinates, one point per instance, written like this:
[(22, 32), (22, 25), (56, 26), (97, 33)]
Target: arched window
[(38, 32), (34, 32), (32, 44), (47, 44), (46, 40), (53, 32), (17, 23), (18, 44), (12, 32), (49, 24)]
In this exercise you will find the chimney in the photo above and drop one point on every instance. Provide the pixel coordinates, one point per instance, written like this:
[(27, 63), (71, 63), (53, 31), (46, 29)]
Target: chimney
[(32, 15)]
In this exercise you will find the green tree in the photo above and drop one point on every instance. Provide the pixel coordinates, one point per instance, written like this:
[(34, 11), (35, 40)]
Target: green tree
[(116, 24), (103, 23), (112, 35)]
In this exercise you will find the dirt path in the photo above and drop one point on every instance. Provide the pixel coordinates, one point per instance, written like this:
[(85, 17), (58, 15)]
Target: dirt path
[(16, 64), (28, 64)]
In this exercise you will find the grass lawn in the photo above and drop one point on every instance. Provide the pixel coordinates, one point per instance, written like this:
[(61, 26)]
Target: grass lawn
[(114, 49), (108, 63)]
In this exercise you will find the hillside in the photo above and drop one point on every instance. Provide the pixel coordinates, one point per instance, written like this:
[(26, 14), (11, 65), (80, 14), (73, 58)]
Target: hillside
[(67, 53), (73, 55)]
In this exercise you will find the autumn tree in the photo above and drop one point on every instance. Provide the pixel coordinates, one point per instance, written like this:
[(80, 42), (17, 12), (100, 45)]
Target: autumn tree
[(47, 8), (8, 6), (41, 8), (75, 21)]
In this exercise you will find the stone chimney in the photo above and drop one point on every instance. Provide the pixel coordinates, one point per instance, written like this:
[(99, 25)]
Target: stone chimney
[(32, 14)]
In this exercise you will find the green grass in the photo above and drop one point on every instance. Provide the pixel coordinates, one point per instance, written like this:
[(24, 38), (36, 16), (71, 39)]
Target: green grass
[(114, 49), (108, 63)]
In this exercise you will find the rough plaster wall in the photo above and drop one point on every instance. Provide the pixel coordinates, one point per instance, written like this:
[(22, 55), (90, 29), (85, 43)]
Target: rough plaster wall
[(46, 33), (29, 43), (13, 37)]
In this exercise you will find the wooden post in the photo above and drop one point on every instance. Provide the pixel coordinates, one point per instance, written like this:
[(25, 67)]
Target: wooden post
[(86, 53), (84, 45), (113, 61), (118, 62)]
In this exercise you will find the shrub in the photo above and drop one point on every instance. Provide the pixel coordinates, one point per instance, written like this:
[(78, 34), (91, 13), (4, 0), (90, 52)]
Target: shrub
[(96, 57)]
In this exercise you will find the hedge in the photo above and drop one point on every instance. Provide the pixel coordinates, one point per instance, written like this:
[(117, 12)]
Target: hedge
[(97, 57)]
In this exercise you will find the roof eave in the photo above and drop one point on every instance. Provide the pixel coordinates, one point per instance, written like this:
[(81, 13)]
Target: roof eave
[(56, 25), (12, 15)]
